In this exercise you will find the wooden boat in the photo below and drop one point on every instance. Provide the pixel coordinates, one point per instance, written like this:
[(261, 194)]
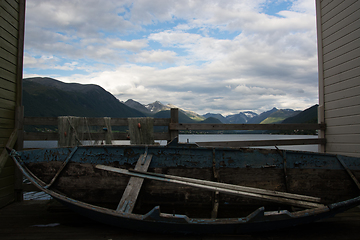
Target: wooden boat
[(183, 188)]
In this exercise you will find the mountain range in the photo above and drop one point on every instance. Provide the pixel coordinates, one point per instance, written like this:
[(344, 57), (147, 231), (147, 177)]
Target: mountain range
[(47, 97)]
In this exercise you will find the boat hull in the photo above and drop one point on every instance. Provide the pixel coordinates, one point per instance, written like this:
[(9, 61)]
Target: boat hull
[(71, 176)]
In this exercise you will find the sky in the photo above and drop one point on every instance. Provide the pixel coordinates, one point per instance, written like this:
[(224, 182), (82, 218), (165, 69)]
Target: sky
[(207, 56)]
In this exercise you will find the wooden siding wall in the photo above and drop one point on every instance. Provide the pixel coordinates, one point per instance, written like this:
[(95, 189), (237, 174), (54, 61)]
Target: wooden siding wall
[(11, 46), (338, 24)]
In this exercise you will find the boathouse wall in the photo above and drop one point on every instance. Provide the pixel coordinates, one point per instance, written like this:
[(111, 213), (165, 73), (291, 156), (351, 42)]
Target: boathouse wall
[(338, 30), (12, 15)]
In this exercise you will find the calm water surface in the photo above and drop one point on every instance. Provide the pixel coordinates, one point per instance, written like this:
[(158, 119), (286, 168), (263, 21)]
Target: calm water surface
[(193, 138)]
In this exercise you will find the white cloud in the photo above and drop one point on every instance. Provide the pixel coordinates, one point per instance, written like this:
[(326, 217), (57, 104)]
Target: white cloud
[(206, 56), (155, 57), (133, 45)]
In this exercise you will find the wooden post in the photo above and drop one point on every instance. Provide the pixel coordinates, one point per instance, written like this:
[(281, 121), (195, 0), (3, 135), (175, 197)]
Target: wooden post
[(19, 110), (174, 118), (69, 128), (321, 86), (108, 131), (19, 125), (141, 130)]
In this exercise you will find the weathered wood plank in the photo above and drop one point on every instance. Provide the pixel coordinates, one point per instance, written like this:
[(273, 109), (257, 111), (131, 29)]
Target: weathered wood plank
[(9, 76), (6, 36), (343, 138), (348, 171), (344, 129), (334, 11), (61, 167), (162, 136), (343, 84), (10, 9), (5, 113), (7, 198), (345, 32), (40, 120), (13, 3), (7, 85), (93, 136), (342, 45), (210, 126), (5, 132), (6, 94), (131, 193), (90, 121), (141, 130), (338, 16), (347, 148), (282, 142), (343, 152), (7, 104), (40, 136), (342, 112), (343, 103), (345, 57), (226, 190), (161, 121), (6, 13), (69, 131), (340, 50), (343, 94), (233, 187), (55, 136), (343, 121), (351, 17), (8, 169), (342, 76), (327, 5), (174, 119), (10, 144), (8, 27), (8, 56), (6, 190), (343, 67), (11, 67), (5, 181)]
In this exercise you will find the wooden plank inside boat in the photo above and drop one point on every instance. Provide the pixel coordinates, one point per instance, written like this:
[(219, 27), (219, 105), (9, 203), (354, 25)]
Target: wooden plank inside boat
[(128, 200), (213, 186)]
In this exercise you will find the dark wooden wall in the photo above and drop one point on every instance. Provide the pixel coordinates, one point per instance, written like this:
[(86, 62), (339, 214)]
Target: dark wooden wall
[(12, 16)]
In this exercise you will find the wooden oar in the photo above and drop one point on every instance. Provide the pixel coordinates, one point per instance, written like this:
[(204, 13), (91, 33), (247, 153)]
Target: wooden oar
[(227, 188), (235, 187)]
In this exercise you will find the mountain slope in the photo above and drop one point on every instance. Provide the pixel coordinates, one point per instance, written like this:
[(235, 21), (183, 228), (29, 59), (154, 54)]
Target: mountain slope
[(279, 116), (182, 117), (157, 106), (138, 106), (262, 116), (47, 97), (309, 115), (218, 116), (241, 117)]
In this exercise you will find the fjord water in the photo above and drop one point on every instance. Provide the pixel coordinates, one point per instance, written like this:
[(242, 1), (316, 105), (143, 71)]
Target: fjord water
[(193, 138)]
